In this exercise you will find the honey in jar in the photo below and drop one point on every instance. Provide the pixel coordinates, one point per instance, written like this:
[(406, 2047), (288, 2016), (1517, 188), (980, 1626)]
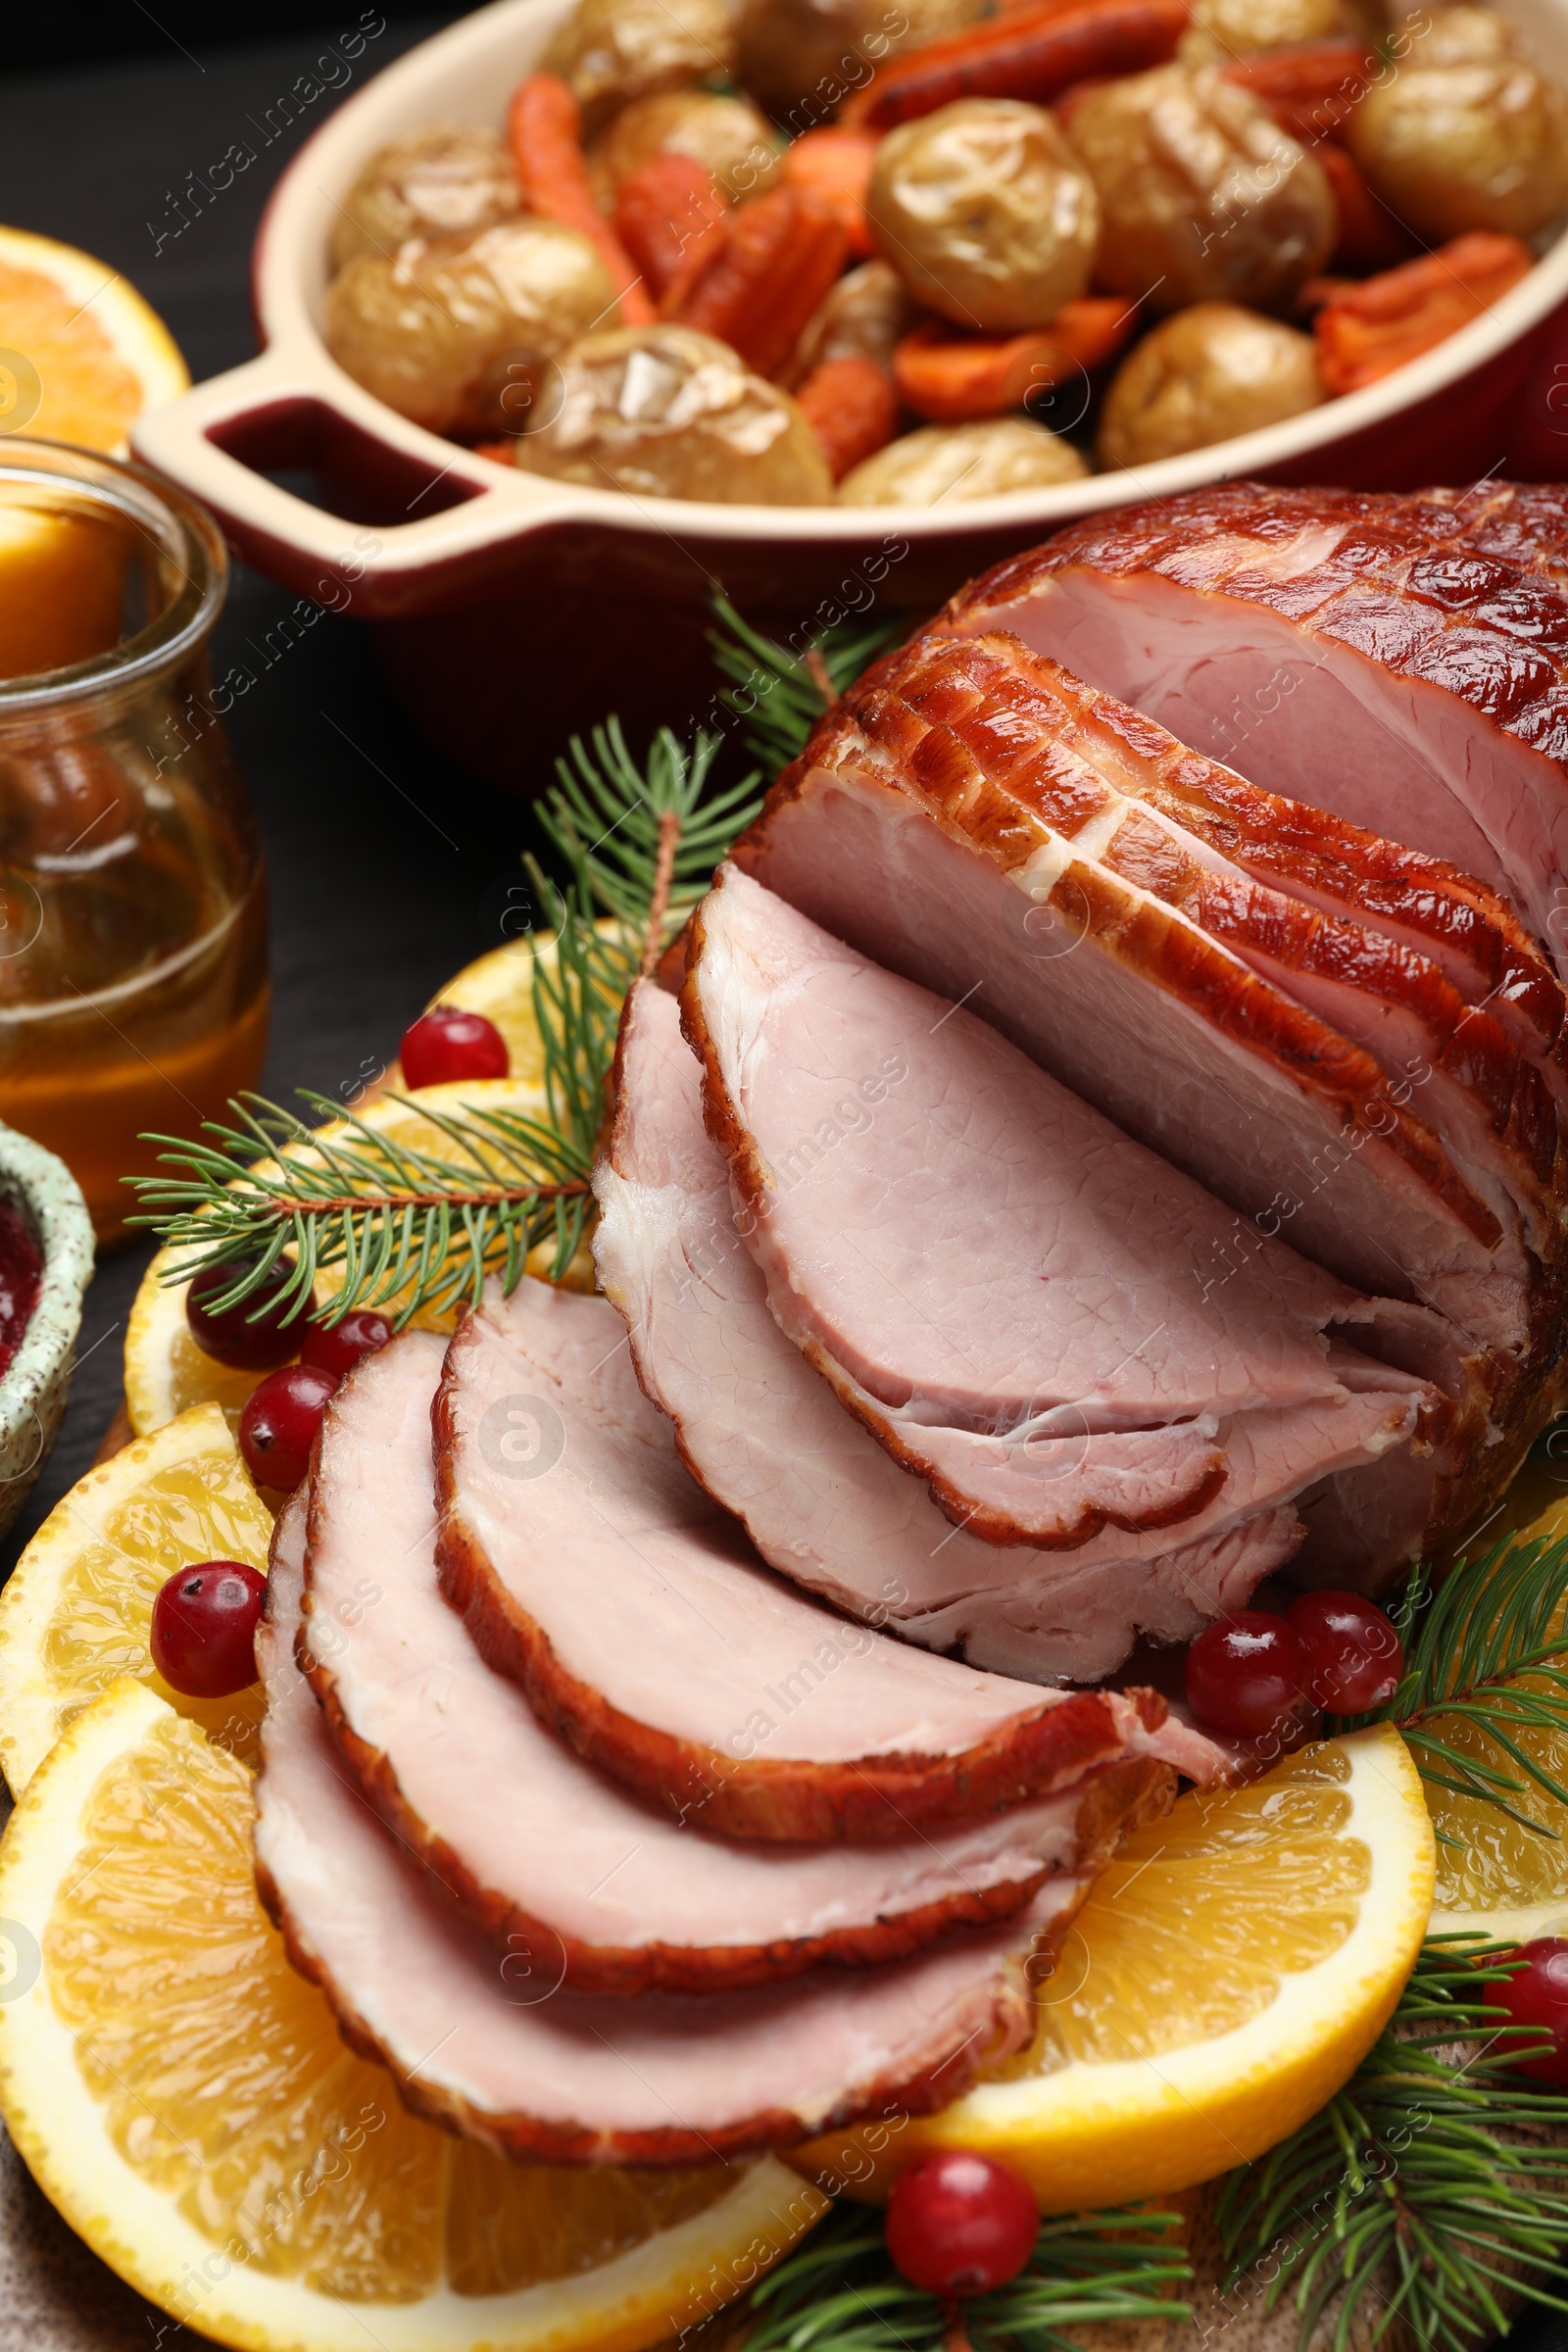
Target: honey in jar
[(133, 992)]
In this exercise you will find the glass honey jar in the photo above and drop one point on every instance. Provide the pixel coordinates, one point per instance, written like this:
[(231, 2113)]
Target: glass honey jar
[(133, 982)]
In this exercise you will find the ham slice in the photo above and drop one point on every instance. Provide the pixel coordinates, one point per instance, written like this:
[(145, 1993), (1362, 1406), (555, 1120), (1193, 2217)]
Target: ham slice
[(1352, 654), (509, 2055), (646, 1631), (823, 1501), (566, 1864), (1167, 1032), (966, 717), (1002, 1285)]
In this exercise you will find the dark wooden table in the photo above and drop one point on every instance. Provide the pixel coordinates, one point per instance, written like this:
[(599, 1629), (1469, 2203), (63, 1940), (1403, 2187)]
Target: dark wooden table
[(389, 868)]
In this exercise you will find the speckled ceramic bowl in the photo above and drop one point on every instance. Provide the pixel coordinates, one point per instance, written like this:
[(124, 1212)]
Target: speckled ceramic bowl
[(32, 1390)]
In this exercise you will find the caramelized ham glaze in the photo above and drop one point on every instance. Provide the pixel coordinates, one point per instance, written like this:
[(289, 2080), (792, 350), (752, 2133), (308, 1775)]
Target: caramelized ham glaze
[(545, 1854), (823, 1501), (646, 1631), (1358, 655), (507, 2055)]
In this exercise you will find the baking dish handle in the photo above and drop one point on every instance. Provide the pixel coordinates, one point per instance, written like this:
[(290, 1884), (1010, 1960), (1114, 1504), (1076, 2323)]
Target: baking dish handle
[(224, 439)]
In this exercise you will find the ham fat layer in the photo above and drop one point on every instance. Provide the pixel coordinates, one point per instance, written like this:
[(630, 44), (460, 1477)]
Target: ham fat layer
[(509, 2055), (592, 1570), (568, 1864)]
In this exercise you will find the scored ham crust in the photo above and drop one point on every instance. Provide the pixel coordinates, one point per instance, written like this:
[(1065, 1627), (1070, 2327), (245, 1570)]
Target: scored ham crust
[(1133, 1006), (672, 1658), (570, 1865), (1078, 766), (1359, 656), (1001, 1284), (823, 1501), (507, 2055)]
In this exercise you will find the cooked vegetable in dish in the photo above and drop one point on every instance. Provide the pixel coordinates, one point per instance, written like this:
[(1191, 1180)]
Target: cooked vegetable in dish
[(1469, 133), (435, 331), (663, 412), (1210, 371), (929, 253)]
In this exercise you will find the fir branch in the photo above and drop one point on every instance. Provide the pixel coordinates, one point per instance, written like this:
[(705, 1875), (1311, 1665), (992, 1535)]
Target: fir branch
[(269, 1195), (783, 694), (1429, 2183), (839, 2292), (1488, 1649)]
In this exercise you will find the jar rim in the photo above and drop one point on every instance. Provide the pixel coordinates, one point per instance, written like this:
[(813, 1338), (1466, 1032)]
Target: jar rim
[(185, 534)]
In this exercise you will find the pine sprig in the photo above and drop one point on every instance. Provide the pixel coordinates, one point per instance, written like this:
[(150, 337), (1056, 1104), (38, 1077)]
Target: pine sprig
[(782, 694), (1488, 1647), (839, 2292), (1428, 2184), (272, 1195)]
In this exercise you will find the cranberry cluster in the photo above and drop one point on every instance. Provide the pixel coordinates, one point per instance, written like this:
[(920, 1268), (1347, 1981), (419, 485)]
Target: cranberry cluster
[(1256, 1673)]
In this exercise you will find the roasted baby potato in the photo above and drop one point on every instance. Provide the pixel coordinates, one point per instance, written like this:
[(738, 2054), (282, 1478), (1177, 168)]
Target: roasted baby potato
[(960, 462), (1210, 371), (729, 136), (1221, 29), (799, 57), (457, 332), (609, 52), (449, 180), (1203, 197), (663, 412), (985, 212), (1465, 130), (861, 319)]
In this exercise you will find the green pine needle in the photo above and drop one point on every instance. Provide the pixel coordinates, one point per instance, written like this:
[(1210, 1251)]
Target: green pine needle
[(1486, 1649), (782, 694), (1425, 2191), (839, 2292), (637, 847)]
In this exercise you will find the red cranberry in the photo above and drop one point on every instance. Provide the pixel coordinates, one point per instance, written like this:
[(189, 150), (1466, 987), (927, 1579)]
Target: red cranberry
[(338, 1347), (1248, 1673), (204, 1627), (1355, 1660), (1538, 1995), (278, 1425), (959, 2224), (446, 1043), (252, 1336)]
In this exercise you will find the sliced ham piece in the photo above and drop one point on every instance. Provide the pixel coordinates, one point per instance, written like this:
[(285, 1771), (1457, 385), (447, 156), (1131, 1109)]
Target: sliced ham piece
[(1161, 1028), (545, 1854), (1346, 653), (506, 2054), (645, 1629), (965, 716), (999, 1283)]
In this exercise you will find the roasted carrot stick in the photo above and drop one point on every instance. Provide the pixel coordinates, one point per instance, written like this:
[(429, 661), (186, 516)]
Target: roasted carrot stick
[(835, 166), (948, 376), (780, 256), (851, 407), (1031, 55), (670, 214), (545, 130), (1370, 237), (1364, 333), (1312, 90)]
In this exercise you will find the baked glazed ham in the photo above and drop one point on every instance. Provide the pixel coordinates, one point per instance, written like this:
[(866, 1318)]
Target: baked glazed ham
[(1364, 656), (508, 2054), (571, 1867), (823, 1501), (645, 1629), (1016, 1299)]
